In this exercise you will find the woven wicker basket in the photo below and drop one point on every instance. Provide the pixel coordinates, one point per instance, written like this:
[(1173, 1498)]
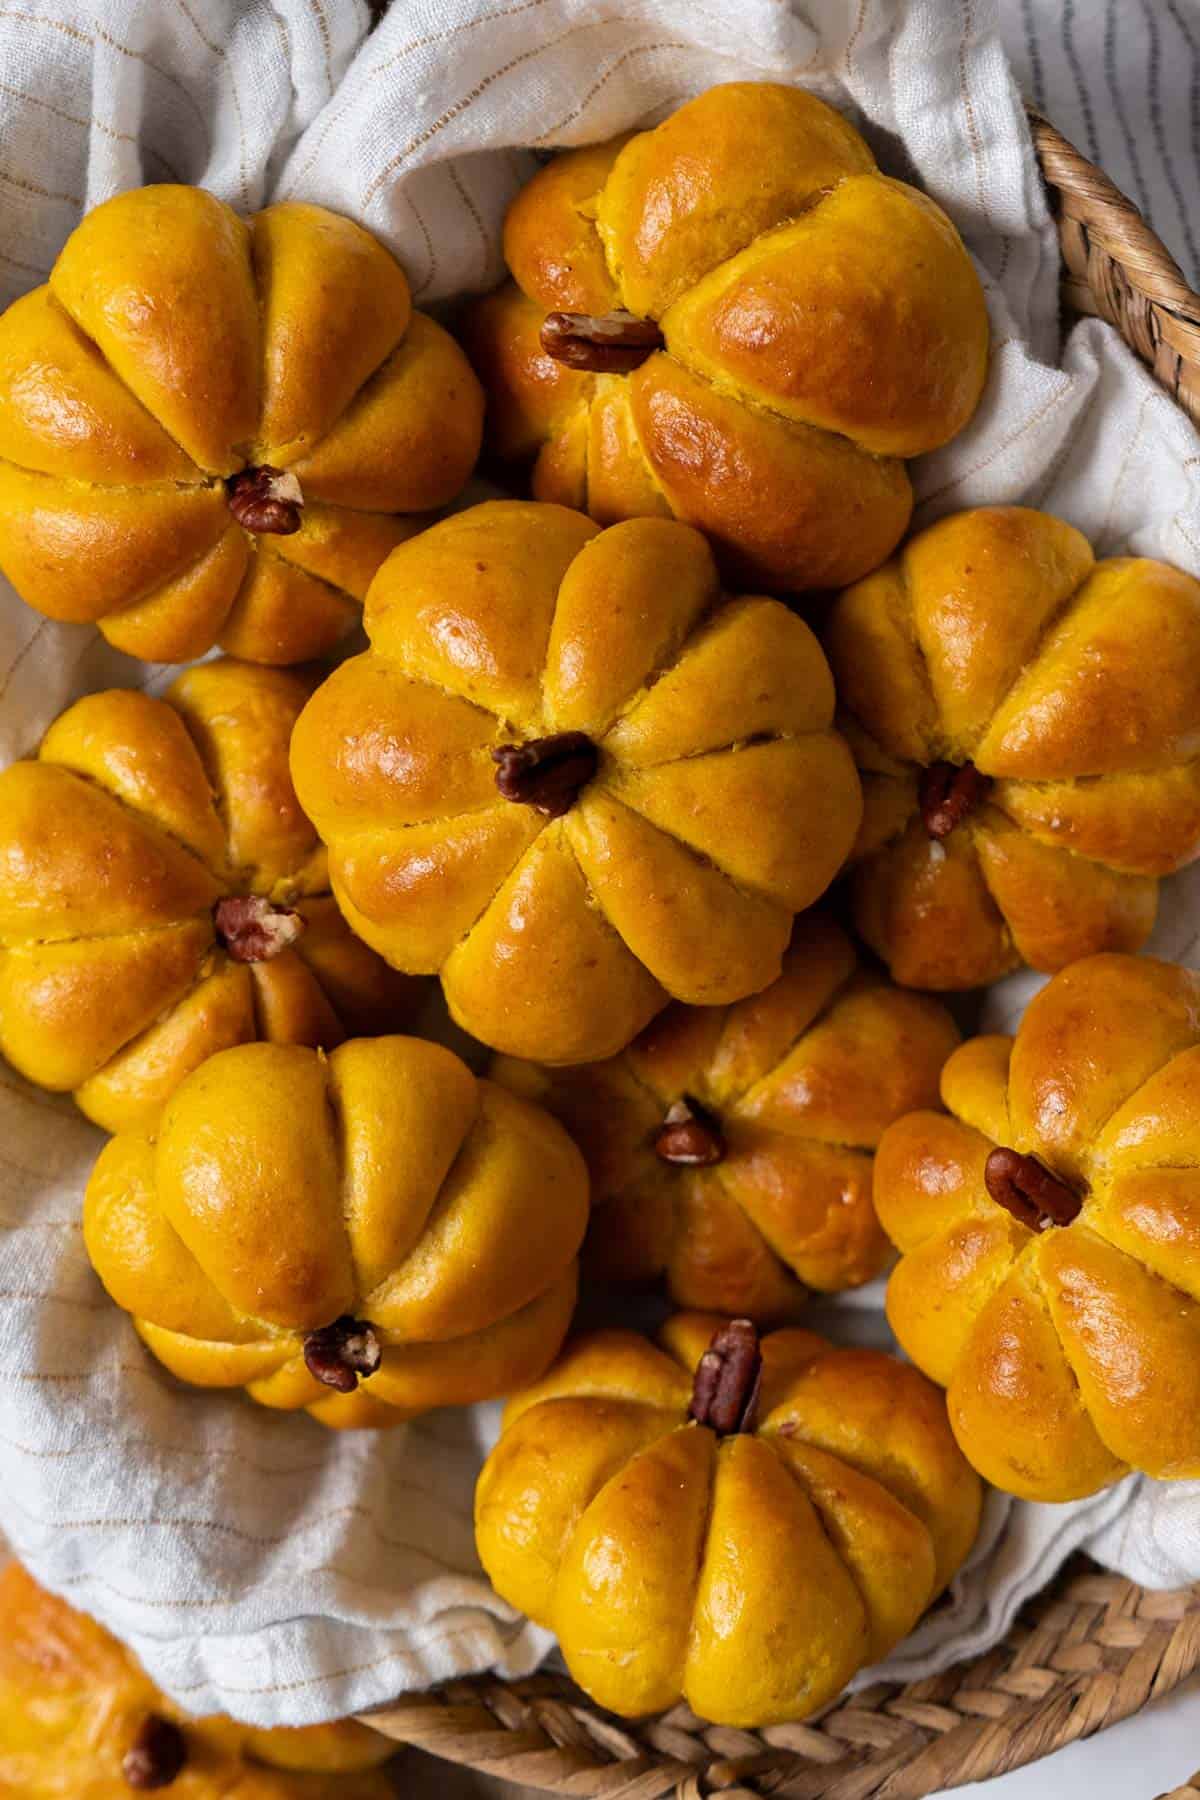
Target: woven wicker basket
[(1089, 1651)]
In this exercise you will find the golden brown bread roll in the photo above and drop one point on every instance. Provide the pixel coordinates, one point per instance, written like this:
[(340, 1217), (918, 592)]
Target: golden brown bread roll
[(573, 777), (365, 1235), (1027, 725), (162, 896), (735, 1525), (213, 430), (736, 320), (730, 1147), (1050, 1234), (80, 1720)]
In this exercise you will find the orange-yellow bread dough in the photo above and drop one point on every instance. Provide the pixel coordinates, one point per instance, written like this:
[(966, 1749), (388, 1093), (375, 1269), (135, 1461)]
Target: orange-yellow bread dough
[(162, 896), (1049, 1230), (213, 430), (811, 324), (1027, 726), (574, 778), (748, 1559), (367, 1234), (730, 1147), (74, 1705)]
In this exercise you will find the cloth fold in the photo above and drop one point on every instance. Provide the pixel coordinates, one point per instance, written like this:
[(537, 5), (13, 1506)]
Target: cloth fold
[(256, 1563)]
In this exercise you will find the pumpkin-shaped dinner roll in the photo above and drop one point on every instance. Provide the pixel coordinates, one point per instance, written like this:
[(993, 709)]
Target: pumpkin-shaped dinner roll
[(730, 1148), (213, 430), (80, 1720), (733, 319), (573, 777), (1050, 1234), (1027, 725), (739, 1525), (162, 896), (367, 1235)]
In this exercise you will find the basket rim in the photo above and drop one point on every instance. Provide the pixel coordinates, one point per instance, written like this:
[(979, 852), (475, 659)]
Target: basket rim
[(1115, 223), (1117, 268), (1093, 1648)]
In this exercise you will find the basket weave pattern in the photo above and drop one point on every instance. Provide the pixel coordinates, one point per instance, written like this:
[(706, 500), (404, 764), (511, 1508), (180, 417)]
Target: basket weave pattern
[(1090, 1651), (1115, 268)]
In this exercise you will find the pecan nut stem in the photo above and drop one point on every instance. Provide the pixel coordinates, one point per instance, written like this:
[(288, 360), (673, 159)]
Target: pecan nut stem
[(1024, 1187), (263, 499), (728, 1383), (547, 773), (253, 930), (339, 1354), (157, 1755), (612, 343), (948, 794), (690, 1137)]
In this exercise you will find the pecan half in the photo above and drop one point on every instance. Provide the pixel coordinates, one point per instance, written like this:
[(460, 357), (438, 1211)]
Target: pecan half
[(263, 499), (690, 1136), (340, 1353), (725, 1393), (1024, 1187), (252, 929), (606, 343), (157, 1755), (948, 793), (547, 773)]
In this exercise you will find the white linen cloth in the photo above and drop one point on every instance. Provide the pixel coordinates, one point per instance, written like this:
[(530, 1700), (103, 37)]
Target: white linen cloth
[(255, 1562)]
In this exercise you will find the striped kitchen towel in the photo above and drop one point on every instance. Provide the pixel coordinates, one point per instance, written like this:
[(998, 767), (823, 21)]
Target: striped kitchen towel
[(1121, 79)]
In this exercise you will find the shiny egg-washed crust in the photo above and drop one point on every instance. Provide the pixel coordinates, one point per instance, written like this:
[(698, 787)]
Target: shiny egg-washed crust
[(176, 344), (995, 636), (1074, 1355), (821, 323), (751, 1576), (72, 1700), (723, 802), (801, 1081), (287, 1190), (137, 816)]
